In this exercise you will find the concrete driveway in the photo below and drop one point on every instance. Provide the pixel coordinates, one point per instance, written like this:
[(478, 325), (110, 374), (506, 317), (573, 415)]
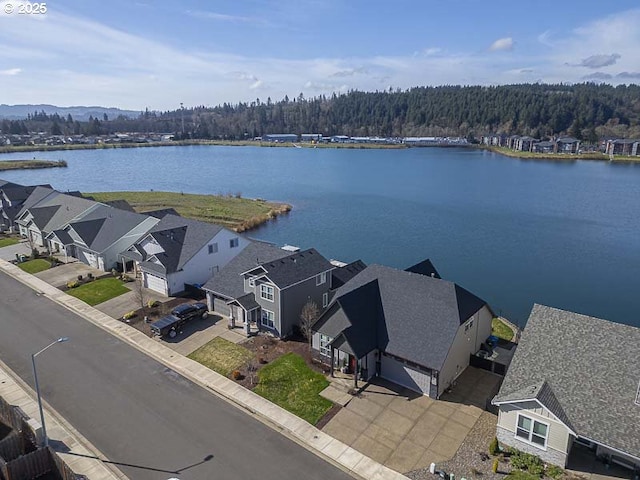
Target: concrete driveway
[(9, 253), (406, 431), (118, 306), (60, 275)]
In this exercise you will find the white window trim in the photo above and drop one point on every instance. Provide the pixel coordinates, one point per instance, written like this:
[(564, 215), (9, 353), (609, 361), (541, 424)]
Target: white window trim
[(325, 350), (266, 324), (325, 299), (273, 294), (528, 441), (213, 248), (321, 278)]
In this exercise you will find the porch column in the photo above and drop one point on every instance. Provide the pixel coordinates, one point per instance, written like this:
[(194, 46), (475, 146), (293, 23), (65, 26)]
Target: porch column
[(247, 323), (355, 374), (331, 346)]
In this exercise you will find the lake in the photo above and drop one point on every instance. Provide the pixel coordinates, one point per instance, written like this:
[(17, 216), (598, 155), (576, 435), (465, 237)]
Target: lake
[(514, 232)]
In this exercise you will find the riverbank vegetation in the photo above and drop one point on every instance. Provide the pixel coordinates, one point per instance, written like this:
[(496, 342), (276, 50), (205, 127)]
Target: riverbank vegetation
[(230, 210), (30, 164)]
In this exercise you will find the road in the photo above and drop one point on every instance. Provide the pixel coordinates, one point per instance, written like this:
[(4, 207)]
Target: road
[(147, 419)]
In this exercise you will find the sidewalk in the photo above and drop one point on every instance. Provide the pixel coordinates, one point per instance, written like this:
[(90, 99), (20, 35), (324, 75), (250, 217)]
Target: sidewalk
[(81, 461), (293, 427)]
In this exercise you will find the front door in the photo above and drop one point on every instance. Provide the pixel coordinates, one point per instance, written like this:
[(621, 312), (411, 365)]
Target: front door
[(353, 361)]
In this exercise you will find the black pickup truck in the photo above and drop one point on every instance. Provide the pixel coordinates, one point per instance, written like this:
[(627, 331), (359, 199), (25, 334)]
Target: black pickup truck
[(171, 324)]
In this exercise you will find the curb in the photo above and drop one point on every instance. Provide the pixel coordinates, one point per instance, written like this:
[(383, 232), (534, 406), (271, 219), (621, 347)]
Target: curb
[(296, 429)]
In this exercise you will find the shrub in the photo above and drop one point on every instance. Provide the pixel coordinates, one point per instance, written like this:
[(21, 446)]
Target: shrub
[(34, 253), (528, 462), (79, 277), (236, 375), (129, 315), (114, 272), (494, 467), (152, 303), (494, 448), (554, 471), (73, 284)]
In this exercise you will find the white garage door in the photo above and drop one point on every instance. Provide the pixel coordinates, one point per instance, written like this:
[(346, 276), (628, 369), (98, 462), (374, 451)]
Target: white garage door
[(406, 376), (157, 284), (220, 306)]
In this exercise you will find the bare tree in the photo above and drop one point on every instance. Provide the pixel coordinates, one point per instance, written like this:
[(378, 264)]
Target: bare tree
[(138, 291), (308, 316), (252, 369)]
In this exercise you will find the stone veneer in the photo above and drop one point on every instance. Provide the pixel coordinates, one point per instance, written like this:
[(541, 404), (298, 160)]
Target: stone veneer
[(548, 456)]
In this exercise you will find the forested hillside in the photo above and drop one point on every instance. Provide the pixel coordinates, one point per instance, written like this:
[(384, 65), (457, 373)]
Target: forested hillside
[(586, 111)]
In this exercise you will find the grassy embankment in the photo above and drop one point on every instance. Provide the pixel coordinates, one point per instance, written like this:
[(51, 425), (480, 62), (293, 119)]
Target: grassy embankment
[(234, 212), (560, 157), (29, 164), (234, 143)]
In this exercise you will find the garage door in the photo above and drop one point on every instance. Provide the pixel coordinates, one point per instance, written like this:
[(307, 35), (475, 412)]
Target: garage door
[(220, 306), (157, 284), (406, 376)]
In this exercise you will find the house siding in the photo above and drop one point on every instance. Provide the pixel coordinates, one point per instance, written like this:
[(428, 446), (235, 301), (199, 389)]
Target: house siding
[(271, 306), (293, 299), (464, 344), (558, 437)]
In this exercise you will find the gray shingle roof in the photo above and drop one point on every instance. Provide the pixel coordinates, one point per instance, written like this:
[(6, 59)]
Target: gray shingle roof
[(181, 238), (420, 314), (342, 275), (229, 281), (424, 268), (295, 268), (70, 207), (591, 367)]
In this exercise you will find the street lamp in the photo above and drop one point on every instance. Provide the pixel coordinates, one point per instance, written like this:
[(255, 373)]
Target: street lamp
[(35, 377)]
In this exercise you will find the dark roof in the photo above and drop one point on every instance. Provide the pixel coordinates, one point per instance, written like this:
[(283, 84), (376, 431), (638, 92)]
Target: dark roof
[(121, 205), (229, 282), (17, 193), (180, 238), (88, 230), (63, 236), (295, 268), (342, 275), (425, 267), (37, 195), (69, 209), (591, 368), (567, 140), (420, 314), (248, 302), (162, 212), (42, 215)]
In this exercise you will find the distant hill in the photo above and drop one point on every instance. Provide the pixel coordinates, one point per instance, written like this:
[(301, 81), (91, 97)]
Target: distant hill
[(20, 112)]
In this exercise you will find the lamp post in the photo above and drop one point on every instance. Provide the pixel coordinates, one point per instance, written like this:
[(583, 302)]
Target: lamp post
[(35, 377)]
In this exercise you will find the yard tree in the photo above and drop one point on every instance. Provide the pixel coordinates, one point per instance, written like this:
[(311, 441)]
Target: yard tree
[(308, 316), (138, 291)]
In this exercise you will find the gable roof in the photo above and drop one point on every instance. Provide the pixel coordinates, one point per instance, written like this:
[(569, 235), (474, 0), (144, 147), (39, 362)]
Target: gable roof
[(342, 275), (591, 367), (42, 215), (180, 238), (19, 193), (229, 282), (295, 268), (425, 267), (162, 212), (69, 208), (420, 315)]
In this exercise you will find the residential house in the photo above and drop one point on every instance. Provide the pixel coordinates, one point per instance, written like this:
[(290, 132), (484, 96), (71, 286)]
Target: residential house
[(620, 147), (99, 237), (574, 380), (280, 137), (544, 147), (274, 291), (51, 213), (179, 251), (567, 145), (345, 272), (12, 200), (524, 144), (416, 330)]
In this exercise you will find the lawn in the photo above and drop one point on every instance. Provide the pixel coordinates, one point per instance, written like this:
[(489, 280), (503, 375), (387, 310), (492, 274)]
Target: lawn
[(5, 242), (521, 475), (99, 291), (35, 266), (231, 211), (501, 329), (290, 383), (222, 356)]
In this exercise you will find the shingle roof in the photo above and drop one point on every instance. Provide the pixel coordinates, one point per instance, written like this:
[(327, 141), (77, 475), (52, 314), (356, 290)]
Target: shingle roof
[(69, 208), (420, 314), (162, 212), (229, 282), (63, 236), (180, 238), (42, 215), (295, 268), (425, 267), (342, 275), (592, 368)]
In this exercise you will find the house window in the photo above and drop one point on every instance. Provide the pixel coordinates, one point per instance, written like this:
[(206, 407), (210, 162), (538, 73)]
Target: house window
[(325, 299), (322, 278), (325, 349), (268, 319), (213, 248), (468, 326), (532, 431), (266, 292), (234, 242), (252, 282)]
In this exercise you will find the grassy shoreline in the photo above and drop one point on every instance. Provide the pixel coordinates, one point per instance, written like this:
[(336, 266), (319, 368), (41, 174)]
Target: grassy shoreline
[(558, 157), (232, 211), (30, 164)]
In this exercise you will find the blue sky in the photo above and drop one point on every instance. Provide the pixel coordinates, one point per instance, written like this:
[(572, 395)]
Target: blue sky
[(142, 53)]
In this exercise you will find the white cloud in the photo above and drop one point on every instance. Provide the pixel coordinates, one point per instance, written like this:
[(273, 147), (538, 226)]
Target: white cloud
[(11, 71), (502, 44), (223, 17)]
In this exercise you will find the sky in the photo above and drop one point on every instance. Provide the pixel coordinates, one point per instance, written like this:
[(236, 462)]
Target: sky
[(137, 54)]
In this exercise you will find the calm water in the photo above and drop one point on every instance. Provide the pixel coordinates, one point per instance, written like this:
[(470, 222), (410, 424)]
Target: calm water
[(513, 232)]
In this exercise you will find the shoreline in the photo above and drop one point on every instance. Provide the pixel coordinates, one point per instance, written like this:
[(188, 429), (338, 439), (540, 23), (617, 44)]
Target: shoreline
[(558, 157), (24, 164)]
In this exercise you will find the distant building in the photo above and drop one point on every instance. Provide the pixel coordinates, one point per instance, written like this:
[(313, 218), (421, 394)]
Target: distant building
[(310, 137), (280, 137)]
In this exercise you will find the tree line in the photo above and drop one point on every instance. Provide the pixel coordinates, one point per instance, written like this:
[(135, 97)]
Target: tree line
[(587, 111)]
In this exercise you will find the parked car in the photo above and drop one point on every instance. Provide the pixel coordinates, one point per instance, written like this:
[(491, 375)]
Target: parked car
[(170, 325)]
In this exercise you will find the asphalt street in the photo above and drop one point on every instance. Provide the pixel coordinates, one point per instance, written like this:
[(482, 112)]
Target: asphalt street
[(147, 419)]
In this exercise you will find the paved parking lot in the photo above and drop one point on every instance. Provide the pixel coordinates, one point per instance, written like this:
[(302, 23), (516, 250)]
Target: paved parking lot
[(406, 431)]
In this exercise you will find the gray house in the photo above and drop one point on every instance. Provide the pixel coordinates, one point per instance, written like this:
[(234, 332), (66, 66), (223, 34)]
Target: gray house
[(273, 287), (13, 198), (414, 329), (573, 383), (99, 237)]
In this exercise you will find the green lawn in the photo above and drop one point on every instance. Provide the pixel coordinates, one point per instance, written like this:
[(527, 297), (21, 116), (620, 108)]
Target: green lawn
[(222, 356), (501, 329), (231, 211), (99, 291), (290, 383), (35, 266), (521, 475), (5, 242)]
